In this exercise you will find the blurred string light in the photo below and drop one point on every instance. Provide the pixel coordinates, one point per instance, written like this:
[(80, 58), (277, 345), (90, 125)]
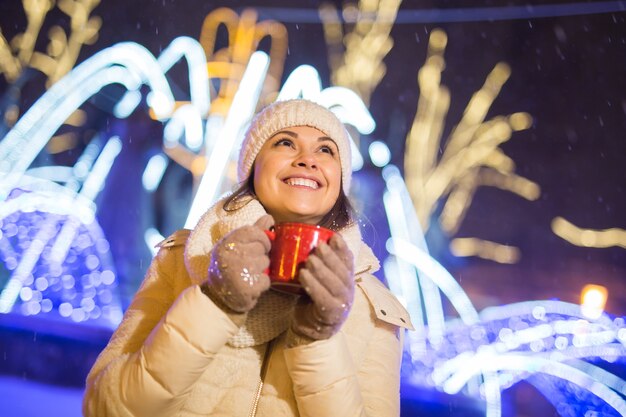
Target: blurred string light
[(228, 64), (84, 284), (401, 275), (539, 310), (588, 238), (62, 50), (356, 57), (471, 155), (464, 247), (154, 171)]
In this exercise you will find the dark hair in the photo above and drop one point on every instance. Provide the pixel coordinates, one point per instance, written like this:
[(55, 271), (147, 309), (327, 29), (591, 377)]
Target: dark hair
[(342, 213)]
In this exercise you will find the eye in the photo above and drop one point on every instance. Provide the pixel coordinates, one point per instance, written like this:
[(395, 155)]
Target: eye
[(328, 150), (284, 142)]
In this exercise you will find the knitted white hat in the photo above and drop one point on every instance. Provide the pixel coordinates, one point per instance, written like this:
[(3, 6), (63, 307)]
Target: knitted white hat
[(291, 113)]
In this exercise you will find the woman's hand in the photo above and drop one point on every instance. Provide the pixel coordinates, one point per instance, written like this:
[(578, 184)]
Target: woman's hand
[(237, 275), (328, 279)]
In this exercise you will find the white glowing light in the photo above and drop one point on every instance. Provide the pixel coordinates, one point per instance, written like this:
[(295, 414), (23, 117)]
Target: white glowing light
[(404, 225), (240, 112), (52, 173), (154, 172), (86, 160), (95, 180), (128, 64), (23, 147), (379, 153), (159, 103), (152, 237), (439, 275), (521, 363), (356, 157), (597, 373), (492, 394), (214, 125), (186, 121), (526, 308), (402, 279), (404, 273), (50, 202), (304, 81), (127, 104), (90, 189), (348, 107), (187, 47)]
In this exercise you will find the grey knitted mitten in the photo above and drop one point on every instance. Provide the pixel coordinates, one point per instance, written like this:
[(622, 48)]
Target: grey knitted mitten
[(328, 279), (237, 269)]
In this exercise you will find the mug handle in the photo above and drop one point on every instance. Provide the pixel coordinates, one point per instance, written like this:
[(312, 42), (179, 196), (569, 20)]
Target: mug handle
[(271, 234)]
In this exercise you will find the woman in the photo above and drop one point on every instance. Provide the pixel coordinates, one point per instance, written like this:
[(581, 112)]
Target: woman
[(206, 336)]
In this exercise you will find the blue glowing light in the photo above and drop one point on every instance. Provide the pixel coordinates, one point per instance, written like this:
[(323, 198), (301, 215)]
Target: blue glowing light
[(546, 343), (81, 288), (379, 153)]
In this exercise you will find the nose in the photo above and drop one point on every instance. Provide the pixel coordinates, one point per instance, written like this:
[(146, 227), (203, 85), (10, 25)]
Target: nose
[(306, 160)]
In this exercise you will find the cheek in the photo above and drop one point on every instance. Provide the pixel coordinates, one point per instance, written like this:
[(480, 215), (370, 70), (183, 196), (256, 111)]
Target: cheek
[(258, 177), (334, 174), (264, 176)]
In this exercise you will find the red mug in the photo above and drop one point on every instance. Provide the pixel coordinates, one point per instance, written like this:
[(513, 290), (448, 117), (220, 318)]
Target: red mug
[(291, 245)]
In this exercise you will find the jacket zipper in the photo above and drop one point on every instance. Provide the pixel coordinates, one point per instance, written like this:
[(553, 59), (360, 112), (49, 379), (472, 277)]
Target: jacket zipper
[(259, 388), (264, 366)]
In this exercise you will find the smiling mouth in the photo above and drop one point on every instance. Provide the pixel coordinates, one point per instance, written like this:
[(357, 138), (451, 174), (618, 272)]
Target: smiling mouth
[(302, 182)]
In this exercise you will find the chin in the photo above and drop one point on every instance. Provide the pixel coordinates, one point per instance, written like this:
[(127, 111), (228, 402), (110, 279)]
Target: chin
[(300, 217)]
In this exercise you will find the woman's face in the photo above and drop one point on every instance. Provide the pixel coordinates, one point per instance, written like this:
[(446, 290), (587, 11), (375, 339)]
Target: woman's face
[(297, 175)]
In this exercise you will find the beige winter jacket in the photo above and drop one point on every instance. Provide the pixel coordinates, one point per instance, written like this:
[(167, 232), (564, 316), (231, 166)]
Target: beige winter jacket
[(170, 354)]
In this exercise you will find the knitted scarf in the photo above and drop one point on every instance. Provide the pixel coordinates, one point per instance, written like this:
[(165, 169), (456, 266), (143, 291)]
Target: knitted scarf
[(272, 314)]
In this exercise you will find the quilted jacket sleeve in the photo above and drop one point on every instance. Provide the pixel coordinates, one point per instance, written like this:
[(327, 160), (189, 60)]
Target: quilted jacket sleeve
[(160, 349), (326, 380)]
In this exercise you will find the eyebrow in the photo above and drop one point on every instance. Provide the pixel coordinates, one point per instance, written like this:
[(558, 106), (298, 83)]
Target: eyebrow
[(295, 135)]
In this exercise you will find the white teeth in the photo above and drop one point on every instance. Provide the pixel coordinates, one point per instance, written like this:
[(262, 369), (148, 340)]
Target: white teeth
[(303, 182)]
